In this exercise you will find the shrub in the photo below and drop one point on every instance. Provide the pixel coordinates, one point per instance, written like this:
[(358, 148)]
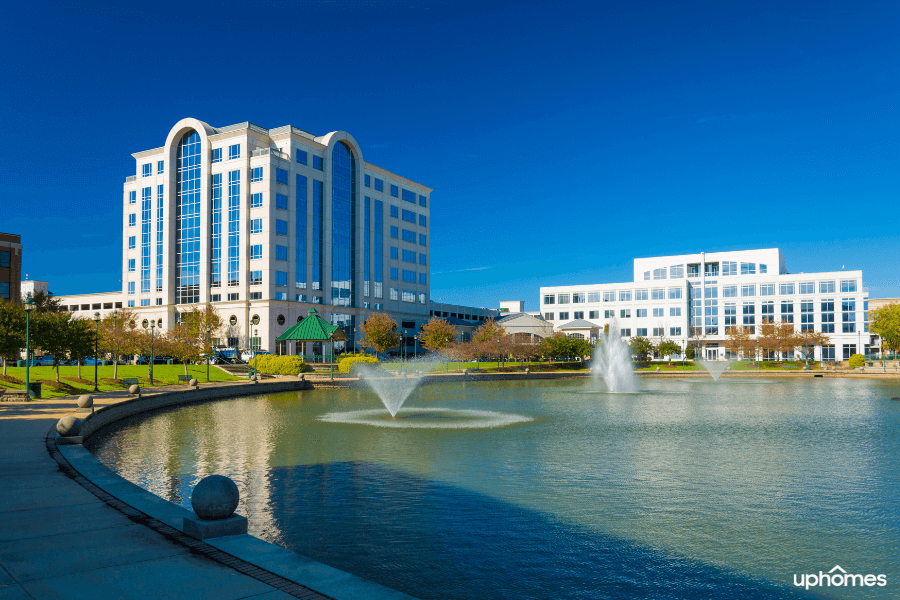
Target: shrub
[(857, 360), (349, 361), (278, 365)]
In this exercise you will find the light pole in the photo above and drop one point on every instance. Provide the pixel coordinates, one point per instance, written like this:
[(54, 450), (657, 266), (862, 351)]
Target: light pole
[(415, 347), (403, 346), (152, 328), (208, 350), (498, 355), (29, 306), (116, 333), (96, 349)]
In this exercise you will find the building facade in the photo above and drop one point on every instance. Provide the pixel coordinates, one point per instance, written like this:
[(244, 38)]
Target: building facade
[(266, 224), (10, 267), (695, 298)]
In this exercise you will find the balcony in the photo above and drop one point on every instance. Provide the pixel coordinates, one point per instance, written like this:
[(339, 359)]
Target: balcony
[(130, 178), (270, 152)]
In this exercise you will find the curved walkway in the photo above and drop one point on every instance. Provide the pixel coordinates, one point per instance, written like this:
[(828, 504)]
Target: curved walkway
[(62, 536)]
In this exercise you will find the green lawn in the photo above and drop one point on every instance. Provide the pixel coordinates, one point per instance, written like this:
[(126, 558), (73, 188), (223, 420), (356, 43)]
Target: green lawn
[(441, 367), (162, 375), (674, 366), (768, 365)]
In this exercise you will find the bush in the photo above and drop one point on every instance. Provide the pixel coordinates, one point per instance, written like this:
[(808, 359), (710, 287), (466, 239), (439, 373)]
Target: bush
[(278, 365), (857, 360), (349, 361)]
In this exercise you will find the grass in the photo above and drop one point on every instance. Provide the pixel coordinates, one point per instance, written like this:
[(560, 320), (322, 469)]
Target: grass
[(69, 383), (441, 367), (766, 365), (671, 366)]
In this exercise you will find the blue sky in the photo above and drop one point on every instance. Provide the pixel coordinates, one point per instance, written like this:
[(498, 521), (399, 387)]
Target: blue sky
[(561, 139)]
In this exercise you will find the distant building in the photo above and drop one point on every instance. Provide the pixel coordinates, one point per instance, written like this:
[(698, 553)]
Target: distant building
[(696, 298), (30, 287), (10, 267)]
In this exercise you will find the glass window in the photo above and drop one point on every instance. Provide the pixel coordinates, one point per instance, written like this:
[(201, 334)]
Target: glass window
[(642, 331), (658, 294), (407, 296), (625, 313), (255, 277), (132, 219), (626, 332), (281, 253), (641, 313), (409, 196), (730, 309), (659, 312), (395, 191), (848, 315), (549, 316), (848, 285), (578, 298), (395, 212), (640, 294), (318, 163), (693, 270), (549, 299), (562, 298), (234, 151), (379, 185), (130, 287), (423, 279), (423, 201), (256, 200), (423, 259), (409, 216), (767, 289), (131, 266), (281, 201), (609, 296), (300, 157), (675, 331), (748, 268), (646, 275), (826, 287), (423, 221), (160, 167), (806, 316), (423, 239), (256, 174), (711, 292), (367, 180), (409, 276), (593, 297), (132, 197), (748, 290), (763, 269), (281, 278), (807, 287), (609, 314), (787, 312), (281, 176), (729, 291), (674, 293), (674, 311), (624, 295), (786, 289), (409, 236), (659, 273), (255, 251), (409, 256), (147, 170), (564, 316), (395, 273), (217, 155), (676, 272), (828, 316), (729, 268), (131, 244), (395, 232), (395, 253), (711, 269), (281, 227), (256, 226)]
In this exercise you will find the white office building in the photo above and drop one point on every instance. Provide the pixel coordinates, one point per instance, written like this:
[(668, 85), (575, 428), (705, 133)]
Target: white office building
[(266, 224), (696, 298)]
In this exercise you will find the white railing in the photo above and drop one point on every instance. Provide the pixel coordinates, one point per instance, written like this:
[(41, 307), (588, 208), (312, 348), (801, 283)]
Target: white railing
[(130, 178), (270, 151)]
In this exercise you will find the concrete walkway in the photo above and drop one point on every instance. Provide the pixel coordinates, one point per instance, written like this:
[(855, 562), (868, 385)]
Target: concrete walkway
[(59, 540)]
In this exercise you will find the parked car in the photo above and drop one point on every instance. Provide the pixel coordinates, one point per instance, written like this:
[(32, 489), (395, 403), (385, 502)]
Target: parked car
[(247, 355), (44, 361)]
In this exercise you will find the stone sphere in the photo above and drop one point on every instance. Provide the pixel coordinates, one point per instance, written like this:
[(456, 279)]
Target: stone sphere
[(215, 497), (465, 371), (134, 389), (68, 426), (85, 401), (192, 382), (527, 370)]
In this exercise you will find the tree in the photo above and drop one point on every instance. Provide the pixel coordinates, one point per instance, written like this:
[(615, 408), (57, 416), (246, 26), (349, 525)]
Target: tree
[(51, 335), (689, 352), (786, 339), (118, 335), (437, 334), (80, 337), (181, 343), (766, 336), (45, 303), (12, 331), (809, 339), (739, 340), (667, 348), (885, 322), (556, 346), (642, 347), (379, 333)]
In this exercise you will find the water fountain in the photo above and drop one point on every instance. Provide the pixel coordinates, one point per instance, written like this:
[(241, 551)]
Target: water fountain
[(612, 363), (715, 367), (392, 390)]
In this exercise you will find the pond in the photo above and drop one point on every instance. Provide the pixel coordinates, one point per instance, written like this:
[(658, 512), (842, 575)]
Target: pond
[(687, 489)]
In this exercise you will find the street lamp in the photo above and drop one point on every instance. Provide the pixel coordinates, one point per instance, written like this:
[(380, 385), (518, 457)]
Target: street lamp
[(152, 328), (208, 350), (96, 349), (498, 355), (115, 333), (403, 346), (415, 347), (29, 306)]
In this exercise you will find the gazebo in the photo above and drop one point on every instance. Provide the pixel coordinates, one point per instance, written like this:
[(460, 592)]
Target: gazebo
[(315, 329)]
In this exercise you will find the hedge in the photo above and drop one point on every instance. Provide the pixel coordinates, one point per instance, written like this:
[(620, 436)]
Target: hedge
[(350, 360), (278, 365), (857, 360)]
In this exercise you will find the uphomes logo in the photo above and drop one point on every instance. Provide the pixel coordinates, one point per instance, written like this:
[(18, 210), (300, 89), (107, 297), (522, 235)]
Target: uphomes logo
[(838, 577)]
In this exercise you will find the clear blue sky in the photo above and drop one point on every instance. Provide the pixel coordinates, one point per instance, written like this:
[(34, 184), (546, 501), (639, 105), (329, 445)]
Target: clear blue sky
[(562, 140)]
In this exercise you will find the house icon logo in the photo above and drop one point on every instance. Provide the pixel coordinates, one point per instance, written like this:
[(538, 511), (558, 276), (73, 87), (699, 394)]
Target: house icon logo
[(838, 577)]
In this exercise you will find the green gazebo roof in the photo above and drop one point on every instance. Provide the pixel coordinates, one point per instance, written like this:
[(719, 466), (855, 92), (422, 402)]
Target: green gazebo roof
[(313, 329)]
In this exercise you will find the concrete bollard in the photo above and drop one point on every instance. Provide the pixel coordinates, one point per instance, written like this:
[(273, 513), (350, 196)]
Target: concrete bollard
[(527, 370), (86, 401), (465, 371), (214, 500), (134, 389), (192, 383), (69, 426)]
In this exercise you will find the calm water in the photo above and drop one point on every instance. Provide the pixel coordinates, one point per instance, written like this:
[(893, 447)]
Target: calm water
[(688, 490)]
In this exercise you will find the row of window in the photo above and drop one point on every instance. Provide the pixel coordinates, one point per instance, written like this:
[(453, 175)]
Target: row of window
[(407, 195), (625, 313), (409, 276), (408, 216), (147, 169), (408, 236), (610, 296)]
